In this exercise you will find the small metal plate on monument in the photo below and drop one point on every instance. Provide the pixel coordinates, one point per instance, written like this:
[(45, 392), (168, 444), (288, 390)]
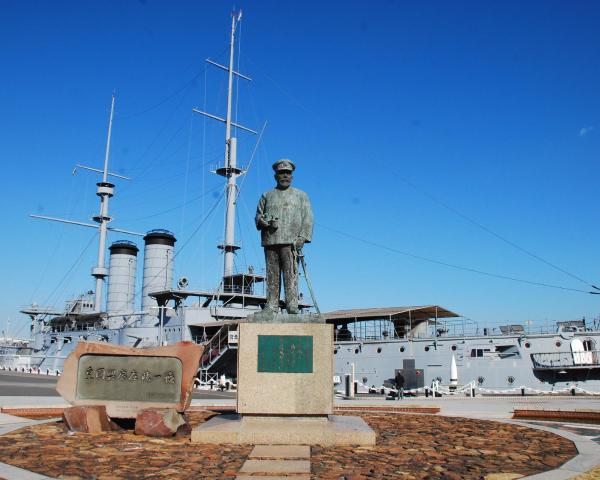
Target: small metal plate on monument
[(285, 353), (129, 378)]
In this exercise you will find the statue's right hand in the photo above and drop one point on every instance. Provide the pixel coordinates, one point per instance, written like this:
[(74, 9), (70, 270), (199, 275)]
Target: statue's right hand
[(261, 224)]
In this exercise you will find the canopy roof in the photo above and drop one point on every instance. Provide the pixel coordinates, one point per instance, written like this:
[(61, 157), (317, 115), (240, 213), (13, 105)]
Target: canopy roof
[(413, 313)]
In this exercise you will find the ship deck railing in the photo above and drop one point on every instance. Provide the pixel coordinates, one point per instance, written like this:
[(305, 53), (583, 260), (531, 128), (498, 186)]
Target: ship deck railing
[(566, 360)]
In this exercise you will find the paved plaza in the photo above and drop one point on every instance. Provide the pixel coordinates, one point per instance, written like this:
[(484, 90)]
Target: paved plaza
[(460, 442)]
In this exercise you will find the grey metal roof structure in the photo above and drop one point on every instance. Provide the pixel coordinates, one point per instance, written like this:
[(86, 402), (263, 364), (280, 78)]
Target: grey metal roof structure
[(414, 313)]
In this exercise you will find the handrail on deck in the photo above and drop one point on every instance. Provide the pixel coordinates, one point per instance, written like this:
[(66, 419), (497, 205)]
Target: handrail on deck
[(555, 360), (216, 345)]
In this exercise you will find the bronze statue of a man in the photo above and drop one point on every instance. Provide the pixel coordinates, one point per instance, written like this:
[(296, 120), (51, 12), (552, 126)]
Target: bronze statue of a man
[(285, 220)]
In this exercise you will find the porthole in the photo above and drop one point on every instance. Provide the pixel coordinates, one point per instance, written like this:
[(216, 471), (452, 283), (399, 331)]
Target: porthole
[(527, 344), (558, 344), (453, 347), (364, 379), (401, 349), (335, 352), (480, 380), (379, 350), (426, 349), (510, 380)]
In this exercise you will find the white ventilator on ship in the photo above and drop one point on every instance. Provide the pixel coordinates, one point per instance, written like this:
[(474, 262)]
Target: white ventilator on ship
[(158, 269), (453, 371), (121, 277)]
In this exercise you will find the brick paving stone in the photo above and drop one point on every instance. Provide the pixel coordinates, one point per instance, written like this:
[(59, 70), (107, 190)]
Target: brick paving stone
[(275, 466), (280, 451), (272, 477)]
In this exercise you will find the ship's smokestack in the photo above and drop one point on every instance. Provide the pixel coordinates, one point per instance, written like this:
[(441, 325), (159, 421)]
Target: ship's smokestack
[(158, 266), (121, 276)]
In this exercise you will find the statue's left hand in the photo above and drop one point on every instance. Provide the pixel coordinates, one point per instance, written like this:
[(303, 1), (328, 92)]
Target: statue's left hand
[(299, 243)]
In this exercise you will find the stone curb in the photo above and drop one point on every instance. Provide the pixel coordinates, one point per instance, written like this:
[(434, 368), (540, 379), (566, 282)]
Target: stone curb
[(587, 458)]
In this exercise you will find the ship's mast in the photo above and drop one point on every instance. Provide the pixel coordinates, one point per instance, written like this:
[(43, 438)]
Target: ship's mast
[(105, 190), (229, 246), (230, 170)]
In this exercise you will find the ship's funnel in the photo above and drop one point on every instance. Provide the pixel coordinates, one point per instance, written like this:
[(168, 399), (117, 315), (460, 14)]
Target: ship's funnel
[(121, 276), (158, 267)]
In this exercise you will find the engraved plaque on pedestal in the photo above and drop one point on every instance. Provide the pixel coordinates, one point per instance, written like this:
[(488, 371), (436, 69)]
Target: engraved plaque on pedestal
[(285, 353)]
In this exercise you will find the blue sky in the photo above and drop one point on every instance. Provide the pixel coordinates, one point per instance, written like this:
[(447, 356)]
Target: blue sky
[(411, 124)]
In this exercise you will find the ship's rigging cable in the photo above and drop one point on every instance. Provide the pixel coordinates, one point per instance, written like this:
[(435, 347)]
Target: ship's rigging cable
[(187, 241), (454, 210), (71, 202), (187, 172), (451, 265), (177, 207), (256, 145), (491, 232), (207, 216), (241, 236), (189, 83), (66, 275)]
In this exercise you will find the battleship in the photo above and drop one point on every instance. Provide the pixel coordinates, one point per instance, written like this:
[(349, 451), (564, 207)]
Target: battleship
[(375, 349)]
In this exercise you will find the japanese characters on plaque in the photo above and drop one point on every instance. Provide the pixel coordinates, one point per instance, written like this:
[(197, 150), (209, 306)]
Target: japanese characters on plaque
[(110, 374), (129, 378)]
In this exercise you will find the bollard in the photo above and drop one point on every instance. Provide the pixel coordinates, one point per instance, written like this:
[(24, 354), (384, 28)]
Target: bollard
[(472, 392), (350, 386), (573, 391), (426, 392), (522, 391)]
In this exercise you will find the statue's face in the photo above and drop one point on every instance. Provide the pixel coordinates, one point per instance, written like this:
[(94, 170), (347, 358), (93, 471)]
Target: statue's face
[(284, 179)]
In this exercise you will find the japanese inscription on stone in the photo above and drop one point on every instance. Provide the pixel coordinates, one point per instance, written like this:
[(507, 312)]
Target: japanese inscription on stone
[(285, 353), (129, 378)]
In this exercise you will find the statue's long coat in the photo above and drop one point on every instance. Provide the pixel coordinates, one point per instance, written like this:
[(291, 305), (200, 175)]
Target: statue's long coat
[(293, 212)]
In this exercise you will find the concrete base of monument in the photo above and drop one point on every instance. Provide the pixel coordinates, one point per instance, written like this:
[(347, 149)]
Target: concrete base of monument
[(282, 430)]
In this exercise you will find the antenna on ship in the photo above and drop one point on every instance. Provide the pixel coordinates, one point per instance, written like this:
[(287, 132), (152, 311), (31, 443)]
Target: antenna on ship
[(105, 190), (229, 170)]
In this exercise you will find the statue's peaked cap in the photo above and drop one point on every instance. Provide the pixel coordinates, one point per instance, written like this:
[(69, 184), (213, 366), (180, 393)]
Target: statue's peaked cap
[(284, 164)]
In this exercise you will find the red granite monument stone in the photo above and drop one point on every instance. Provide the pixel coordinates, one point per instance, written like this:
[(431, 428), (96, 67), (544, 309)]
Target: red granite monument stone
[(128, 380)]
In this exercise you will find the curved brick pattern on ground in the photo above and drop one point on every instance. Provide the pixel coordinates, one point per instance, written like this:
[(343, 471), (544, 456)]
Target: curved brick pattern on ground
[(408, 447), (432, 447)]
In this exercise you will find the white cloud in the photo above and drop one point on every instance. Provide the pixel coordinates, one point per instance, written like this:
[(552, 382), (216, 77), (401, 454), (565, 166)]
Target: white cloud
[(585, 130)]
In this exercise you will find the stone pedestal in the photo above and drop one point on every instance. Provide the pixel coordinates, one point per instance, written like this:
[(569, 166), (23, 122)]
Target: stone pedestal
[(285, 369), (285, 388)]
